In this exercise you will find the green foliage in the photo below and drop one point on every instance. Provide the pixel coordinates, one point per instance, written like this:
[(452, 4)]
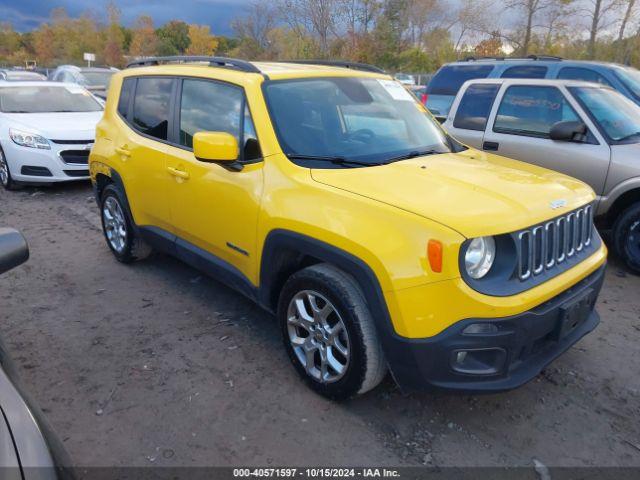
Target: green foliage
[(173, 38)]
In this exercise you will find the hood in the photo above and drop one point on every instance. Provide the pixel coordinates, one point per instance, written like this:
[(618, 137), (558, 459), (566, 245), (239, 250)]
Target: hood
[(58, 126), (471, 192)]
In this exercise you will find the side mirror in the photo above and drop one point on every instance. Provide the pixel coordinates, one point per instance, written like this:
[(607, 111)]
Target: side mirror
[(215, 147), (13, 249), (568, 132)]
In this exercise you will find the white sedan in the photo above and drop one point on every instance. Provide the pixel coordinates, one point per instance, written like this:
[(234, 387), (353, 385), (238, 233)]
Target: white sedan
[(46, 132)]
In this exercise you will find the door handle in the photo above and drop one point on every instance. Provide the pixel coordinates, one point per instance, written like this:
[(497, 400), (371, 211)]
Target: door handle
[(491, 146), (178, 173), (123, 151)]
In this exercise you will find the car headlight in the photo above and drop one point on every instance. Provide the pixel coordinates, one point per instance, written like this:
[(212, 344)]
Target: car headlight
[(27, 139), (479, 257)]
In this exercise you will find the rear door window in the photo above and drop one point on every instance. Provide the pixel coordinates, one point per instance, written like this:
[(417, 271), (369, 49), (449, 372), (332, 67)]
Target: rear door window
[(585, 74), (450, 78), (525, 71), (151, 106), (125, 96), (532, 111), (475, 106)]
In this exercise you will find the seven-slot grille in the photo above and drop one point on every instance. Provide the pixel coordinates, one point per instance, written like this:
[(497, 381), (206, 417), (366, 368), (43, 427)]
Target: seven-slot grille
[(544, 246)]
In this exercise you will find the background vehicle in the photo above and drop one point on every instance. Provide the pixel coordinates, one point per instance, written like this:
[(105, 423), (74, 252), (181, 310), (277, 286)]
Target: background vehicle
[(331, 197), (405, 79), (585, 130), (20, 75), (46, 132), (28, 447), (445, 84), (94, 79)]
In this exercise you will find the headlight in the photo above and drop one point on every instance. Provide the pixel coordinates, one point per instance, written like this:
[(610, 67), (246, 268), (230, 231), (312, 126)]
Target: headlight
[(479, 256), (27, 139)]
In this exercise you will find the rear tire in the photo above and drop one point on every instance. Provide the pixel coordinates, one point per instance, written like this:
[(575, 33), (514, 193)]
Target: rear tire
[(6, 180), (329, 333), (121, 235), (626, 237)]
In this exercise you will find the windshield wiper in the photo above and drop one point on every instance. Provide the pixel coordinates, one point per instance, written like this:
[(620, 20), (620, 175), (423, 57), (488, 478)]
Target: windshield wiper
[(337, 160), (412, 154)]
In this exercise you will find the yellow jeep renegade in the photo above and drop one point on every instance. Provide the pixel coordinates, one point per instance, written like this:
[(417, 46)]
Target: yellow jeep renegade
[(327, 194)]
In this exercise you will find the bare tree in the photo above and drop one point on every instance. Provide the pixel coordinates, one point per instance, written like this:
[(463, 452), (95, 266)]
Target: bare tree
[(472, 17), (628, 13), (359, 15), (317, 17), (531, 9), (422, 16), (600, 15), (259, 20)]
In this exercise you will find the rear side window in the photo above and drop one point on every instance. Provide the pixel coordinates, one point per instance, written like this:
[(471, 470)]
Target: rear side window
[(525, 71), (151, 106), (449, 79), (586, 74), (125, 96), (532, 111), (475, 106), (216, 107)]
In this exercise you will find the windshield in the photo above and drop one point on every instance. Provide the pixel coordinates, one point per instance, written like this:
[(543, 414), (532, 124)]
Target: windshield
[(367, 120), (631, 78), (96, 79), (43, 99), (618, 116)]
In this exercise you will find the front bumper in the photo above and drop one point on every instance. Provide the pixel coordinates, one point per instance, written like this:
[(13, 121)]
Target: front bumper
[(519, 348), (32, 165)]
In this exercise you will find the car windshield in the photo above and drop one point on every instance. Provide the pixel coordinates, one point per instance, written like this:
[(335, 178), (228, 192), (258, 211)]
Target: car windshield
[(618, 116), (631, 78), (46, 98), (364, 120), (96, 79)]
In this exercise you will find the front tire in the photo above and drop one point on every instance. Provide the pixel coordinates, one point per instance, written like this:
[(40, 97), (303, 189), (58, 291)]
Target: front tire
[(5, 174), (122, 238), (329, 333), (626, 237)]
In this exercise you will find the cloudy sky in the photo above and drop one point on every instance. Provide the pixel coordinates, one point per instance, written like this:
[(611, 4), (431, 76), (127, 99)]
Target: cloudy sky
[(27, 14)]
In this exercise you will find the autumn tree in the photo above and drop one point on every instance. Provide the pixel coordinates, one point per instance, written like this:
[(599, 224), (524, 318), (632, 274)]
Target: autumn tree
[(490, 47), (144, 42), (201, 42), (113, 54)]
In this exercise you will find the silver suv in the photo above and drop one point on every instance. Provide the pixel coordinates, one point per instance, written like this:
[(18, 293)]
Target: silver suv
[(586, 130), (94, 79)]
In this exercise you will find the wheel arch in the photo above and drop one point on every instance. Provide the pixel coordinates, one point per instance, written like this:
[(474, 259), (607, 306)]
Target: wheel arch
[(286, 252), (621, 203)]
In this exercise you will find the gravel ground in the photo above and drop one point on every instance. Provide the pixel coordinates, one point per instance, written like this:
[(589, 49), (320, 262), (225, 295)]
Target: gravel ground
[(156, 364)]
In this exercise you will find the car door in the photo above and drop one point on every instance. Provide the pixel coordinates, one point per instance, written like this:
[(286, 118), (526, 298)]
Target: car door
[(141, 148), (470, 113), (519, 128), (214, 207)]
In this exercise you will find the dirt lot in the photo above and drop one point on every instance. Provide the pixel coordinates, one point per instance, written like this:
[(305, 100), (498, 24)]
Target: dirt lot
[(156, 364)]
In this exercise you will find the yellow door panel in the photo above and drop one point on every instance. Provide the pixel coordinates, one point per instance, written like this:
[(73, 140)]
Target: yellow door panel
[(216, 209)]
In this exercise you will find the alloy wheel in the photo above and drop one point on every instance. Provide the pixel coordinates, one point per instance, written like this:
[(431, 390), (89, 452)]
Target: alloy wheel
[(115, 226), (318, 336)]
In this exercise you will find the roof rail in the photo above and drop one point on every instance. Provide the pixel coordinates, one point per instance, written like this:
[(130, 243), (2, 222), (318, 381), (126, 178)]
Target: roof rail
[(338, 63), (222, 62), (528, 57)]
